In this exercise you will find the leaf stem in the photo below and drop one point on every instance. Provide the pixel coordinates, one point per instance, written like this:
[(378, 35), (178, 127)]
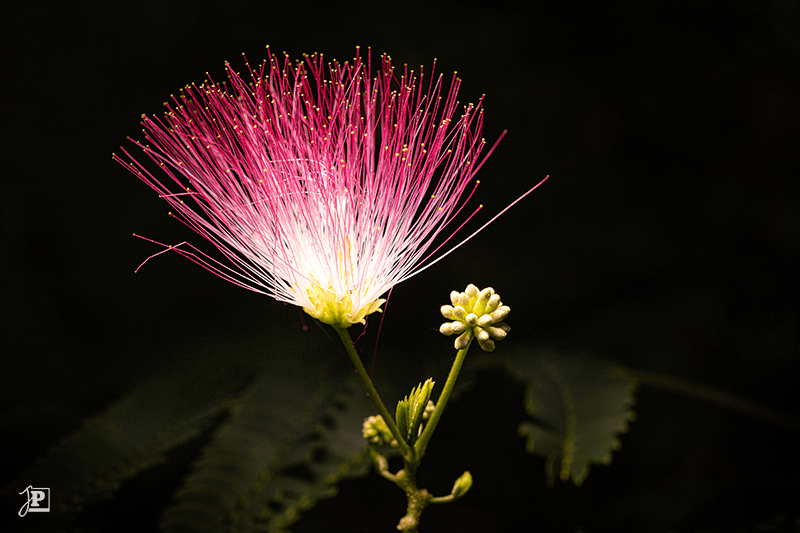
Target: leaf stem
[(408, 452), (724, 399)]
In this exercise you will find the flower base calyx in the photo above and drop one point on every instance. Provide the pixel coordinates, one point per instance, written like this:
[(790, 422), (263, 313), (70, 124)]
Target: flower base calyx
[(337, 311)]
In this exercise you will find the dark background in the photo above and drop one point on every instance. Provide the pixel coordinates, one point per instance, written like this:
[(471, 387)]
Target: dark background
[(667, 238)]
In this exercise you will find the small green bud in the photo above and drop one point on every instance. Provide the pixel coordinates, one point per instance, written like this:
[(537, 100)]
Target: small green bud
[(429, 409), (462, 485), (376, 432)]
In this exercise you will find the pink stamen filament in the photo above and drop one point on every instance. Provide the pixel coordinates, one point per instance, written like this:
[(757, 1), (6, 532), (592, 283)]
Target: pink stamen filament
[(307, 172)]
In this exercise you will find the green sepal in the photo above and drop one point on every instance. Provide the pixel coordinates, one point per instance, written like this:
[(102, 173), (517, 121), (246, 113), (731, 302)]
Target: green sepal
[(411, 409)]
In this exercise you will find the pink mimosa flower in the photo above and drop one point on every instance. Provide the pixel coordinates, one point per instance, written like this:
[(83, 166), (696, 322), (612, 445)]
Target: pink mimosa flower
[(322, 186)]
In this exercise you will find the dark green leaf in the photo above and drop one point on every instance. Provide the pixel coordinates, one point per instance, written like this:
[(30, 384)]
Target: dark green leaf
[(580, 405)]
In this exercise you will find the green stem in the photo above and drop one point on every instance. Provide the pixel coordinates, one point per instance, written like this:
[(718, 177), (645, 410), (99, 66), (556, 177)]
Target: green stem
[(408, 452), (417, 499), (422, 441), (701, 392)]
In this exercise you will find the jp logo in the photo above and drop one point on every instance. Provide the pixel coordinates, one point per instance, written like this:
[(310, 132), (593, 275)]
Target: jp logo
[(38, 501)]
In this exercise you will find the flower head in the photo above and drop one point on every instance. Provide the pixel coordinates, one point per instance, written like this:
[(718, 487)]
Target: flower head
[(322, 186), (476, 313)]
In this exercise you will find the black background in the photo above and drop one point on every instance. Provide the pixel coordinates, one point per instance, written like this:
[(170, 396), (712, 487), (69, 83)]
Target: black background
[(667, 238)]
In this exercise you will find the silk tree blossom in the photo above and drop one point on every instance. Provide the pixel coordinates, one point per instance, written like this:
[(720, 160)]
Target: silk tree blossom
[(323, 186)]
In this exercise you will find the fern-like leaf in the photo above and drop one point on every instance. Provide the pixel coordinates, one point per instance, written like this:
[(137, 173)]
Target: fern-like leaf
[(285, 448), (287, 431), (135, 433), (580, 405)]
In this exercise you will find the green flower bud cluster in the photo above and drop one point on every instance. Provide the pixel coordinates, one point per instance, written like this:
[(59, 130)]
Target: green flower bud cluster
[(411, 412), (475, 313), (376, 432)]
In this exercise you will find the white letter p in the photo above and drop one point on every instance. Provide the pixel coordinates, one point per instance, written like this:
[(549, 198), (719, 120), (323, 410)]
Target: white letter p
[(36, 497)]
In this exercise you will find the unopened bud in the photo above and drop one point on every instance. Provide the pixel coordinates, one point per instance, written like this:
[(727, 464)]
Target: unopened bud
[(497, 332), (493, 303), (475, 314), (501, 313), (447, 312), (463, 340), (486, 345), (462, 484), (483, 300), (481, 334), (429, 409), (459, 327), (376, 432)]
